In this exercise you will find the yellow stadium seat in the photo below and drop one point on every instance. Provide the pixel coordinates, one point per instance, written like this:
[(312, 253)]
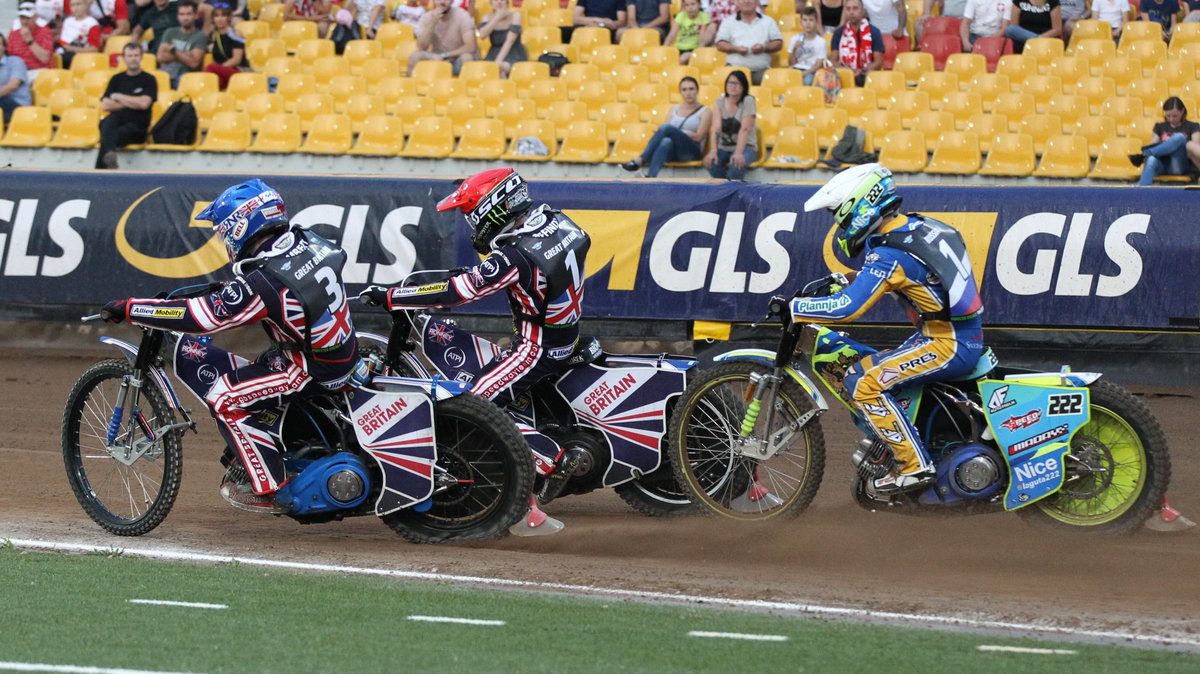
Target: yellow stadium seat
[(1176, 72), (804, 101), (706, 59), (781, 79), (537, 38), (1040, 127), (362, 107), (631, 141), (606, 57), (295, 33), (278, 66), (1015, 107), (524, 73), (717, 76), (461, 109), (596, 94), (1043, 88), (646, 95), (1070, 107), (1149, 52), (1095, 130), (249, 30), (308, 106), (575, 75), (84, 62), (1150, 90), (1112, 161), (431, 137), (294, 85), (879, 123), (856, 102), (262, 50), (938, 85), (392, 33), (987, 125), (441, 92), (913, 64), (616, 115), (92, 85), (375, 71), (659, 58), (1044, 50), (330, 134), (56, 78), (794, 147), (259, 106), (1096, 90), (63, 99), (1070, 69), (381, 136), (541, 129), (30, 127), (551, 17), (904, 151), (1089, 29), (1123, 70), (1095, 51), (957, 152), (886, 84), (149, 62), (1012, 154), (475, 73), (228, 132), (962, 105), (208, 105), (244, 85), (78, 128), (965, 66), (989, 86), (482, 138), (326, 68), (911, 104), (1140, 129), (280, 132), (586, 142), (771, 120), (1017, 67), (638, 40), (272, 15), (343, 87), (1124, 110), (511, 111), (1065, 157), (392, 89), (1140, 31), (432, 72), (1185, 32), (114, 44), (562, 113), (411, 108), (359, 52), (545, 92), (625, 76), (587, 38), (829, 124)]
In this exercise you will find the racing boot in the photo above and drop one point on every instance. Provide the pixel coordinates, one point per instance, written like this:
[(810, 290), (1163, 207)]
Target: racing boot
[(536, 522), (236, 489), (568, 463), (899, 483)]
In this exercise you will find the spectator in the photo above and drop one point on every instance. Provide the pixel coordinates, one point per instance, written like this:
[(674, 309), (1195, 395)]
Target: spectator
[(889, 16), (1176, 141), (859, 45), (1163, 12), (34, 44), (445, 33), (984, 18), (749, 38), (1191, 13), (228, 52), (112, 15), (345, 30), (733, 138), (316, 11), (49, 13), (952, 8), (654, 14), (410, 12), (807, 51), (1072, 11), (503, 27), (80, 33), (127, 101), (159, 17), (681, 137), (1114, 12), (14, 82), (608, 14), (182, 48), (689, 31), (829, 13), (1034, 18), (369, 14)]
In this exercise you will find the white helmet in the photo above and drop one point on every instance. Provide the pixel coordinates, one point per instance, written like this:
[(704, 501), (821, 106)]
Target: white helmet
[(860, 198)]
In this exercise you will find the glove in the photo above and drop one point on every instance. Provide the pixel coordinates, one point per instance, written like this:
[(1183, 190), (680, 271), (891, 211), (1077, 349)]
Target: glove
[(827, 285), (374, 296), (115, 311), (779, 306)]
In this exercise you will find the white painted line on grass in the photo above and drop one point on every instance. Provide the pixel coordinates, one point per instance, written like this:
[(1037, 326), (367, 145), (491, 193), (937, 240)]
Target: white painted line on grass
[(185, 604), (735, 635), (1019, 649), (757, 604), (458, 621), (71, 669)]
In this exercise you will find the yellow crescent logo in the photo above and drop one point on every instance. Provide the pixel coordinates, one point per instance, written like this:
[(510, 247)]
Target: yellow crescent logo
[(831, 261), (200, 262)]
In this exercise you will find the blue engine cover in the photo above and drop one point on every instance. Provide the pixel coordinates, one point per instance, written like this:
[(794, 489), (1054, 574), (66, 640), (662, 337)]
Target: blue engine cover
[(949, 490), (307, 493)]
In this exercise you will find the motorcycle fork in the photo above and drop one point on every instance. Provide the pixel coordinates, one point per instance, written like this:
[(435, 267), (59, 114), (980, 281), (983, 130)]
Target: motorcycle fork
[(760, 393)]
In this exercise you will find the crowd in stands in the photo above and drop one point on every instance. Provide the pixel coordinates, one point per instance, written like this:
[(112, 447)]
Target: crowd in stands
[(1069, 88)]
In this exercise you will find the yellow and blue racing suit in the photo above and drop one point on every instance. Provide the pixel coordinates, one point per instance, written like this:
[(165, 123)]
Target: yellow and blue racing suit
[(925, 264)]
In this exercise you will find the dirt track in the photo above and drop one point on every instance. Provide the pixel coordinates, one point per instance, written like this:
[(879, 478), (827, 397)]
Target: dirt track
[(990, 567)]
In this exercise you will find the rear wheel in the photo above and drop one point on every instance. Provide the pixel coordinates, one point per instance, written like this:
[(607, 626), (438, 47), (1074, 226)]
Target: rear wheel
[(1118, 468), (726, 473), (128, 486), (483, 476)]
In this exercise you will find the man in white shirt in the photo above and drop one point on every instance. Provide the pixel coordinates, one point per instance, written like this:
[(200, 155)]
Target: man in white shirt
[(983, 18), (889, 16), (749, 38)]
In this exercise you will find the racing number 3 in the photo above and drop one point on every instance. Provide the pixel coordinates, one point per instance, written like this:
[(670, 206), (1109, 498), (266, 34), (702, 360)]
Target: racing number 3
[(328, 278)]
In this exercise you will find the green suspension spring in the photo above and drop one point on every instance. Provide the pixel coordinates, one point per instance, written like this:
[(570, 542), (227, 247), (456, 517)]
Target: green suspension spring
[(751, 417)]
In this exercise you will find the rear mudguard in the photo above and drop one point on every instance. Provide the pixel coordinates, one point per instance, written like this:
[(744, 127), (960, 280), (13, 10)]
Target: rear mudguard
[(767, 357), (156, 373)]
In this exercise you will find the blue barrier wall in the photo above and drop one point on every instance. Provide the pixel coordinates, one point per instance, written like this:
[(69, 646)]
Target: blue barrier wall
[(1044, 256)]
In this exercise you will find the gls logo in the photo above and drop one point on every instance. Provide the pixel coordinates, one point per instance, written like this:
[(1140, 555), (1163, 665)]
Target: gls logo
[(1065, 274)]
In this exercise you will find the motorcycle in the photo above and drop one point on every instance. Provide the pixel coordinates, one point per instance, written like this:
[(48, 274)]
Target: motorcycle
[(433, 461), (1059, 448), (607, 413)]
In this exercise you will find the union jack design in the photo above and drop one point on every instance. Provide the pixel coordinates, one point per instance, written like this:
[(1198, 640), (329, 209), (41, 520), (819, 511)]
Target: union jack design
[(441, 334), (193, 350), (332, 329), (567, 309)]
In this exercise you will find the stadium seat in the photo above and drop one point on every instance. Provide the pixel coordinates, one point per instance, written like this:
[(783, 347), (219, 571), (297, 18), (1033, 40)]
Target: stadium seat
[(263, 50), (1150, 90), (1176, 72), (55, 78), (670, 76), (631, 140), (278, 66), (911, 104), (891, 49), (1017, 67), (295, 33), (879, 123), (330, 134), (433, 72), (358, 52), (886, 84), (615, 115), (495, 92), (1123, 70), (114, 44), (208, 105), (30, 127), (381, 136), (344, 87), (259, 106), (92, 85), (992, 49), (1095, 51), (511, 111), (803, 101), (957, 152), (938, 85), (856, 102), (1149, 52), (326, 68), (248, 30), (1040, 127), (933, 125), (706, 59), (771, 120), (244, 85), (78, 128), (1070, 107), (562, 113), (989, 86), (941, 46), (547, 91), (574, 75), (228, 132), (295, 85), (904, 151), (658, 58), (1112, 161), (279, 132), (1125, 111), (1140, 31), (537, 38), (272, 15), (587, 38), (1065, 157), (638, 40), (482, 138), (965, 66), (625, 76), (913, 64), (84, 62), (1015, 107), (1089, 29), (1012, 154), (829, 124), (308, 106), (376, 70), (1044, 51), (1095, 129), (596, 94), (409, 109), (606, 57), (987, 125), (646, 95), (392, 33), (541, 129), (1096, 90), (586, 142), (550, 17), (62, 100), (1070, 69), (362, 107), (962, 105), (475, 73), (1043, 88), (461, 109), (524, 73), (431, 137)]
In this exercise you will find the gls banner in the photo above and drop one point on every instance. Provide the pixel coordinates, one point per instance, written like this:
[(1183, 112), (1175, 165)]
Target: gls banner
[(1089, 257)]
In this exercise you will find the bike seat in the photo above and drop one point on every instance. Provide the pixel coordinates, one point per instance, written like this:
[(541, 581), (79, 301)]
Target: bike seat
[(987, 362), (587, 350)]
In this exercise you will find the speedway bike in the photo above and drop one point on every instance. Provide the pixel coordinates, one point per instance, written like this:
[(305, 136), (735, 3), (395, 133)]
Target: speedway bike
[(1065, 449), (430, 459)]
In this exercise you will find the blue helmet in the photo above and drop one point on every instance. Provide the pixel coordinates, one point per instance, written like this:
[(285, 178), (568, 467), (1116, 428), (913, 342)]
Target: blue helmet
[(861, 199), (244, 211)]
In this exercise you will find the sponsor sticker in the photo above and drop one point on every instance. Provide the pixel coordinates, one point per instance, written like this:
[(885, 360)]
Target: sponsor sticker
[(232, 293), (465, 377), (207, 374), (141, 310), (169, 312), (561, 352), (489, 267), (1044, 436), (819, 305), (440, 333), (455, 357), (192, 350), (1022, 421), (999, 400)]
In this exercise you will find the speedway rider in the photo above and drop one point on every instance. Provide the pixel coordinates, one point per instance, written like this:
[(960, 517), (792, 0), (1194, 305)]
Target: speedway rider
[(922, 261), (287, 278), (534, 254)]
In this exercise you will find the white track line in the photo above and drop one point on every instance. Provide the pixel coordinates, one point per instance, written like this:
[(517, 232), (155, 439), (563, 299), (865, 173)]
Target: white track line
[(1018, 649), (457, 621), (185, 604), (756, 604), (70, 669), (735, 635)]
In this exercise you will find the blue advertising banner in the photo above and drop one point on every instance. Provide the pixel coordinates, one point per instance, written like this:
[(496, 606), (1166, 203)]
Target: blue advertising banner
[(1043, 256)]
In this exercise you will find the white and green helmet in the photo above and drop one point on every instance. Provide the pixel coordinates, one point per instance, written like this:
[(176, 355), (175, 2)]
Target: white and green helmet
[(860, 198)]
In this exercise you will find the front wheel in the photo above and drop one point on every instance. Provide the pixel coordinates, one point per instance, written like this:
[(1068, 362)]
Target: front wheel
[(1118, 468), (726, 471), (129, 485), (484, 476), (657, 494)]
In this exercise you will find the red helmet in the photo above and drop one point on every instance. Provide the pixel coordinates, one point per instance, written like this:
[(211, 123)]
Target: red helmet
[(491, 201)]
